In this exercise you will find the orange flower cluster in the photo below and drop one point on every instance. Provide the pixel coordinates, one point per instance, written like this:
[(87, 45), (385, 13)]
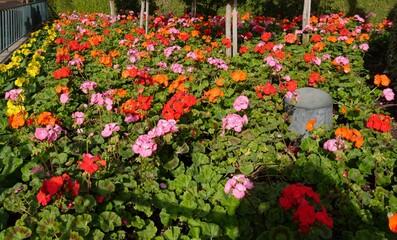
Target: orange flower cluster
[(238, 76), (381, 79), (129, 73), (213, 94), (17, 120), (179, 83), (62, 55), (62, 89), (137, 107), (352, 135), (161, 79), (393, 223), (46, 118), (62, 73)]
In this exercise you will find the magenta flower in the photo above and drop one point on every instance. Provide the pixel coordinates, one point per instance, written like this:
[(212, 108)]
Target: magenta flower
[(388, 94), (88, 86), (13, 94), (131, 118), (109, 129), (334, 145), (78, 117), (41, 133), (144, 146), (239, 185), (240, 103)]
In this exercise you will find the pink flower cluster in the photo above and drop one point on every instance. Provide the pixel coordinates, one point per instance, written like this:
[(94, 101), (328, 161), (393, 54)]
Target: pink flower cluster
[(388, 94), (13, 94), (49, 133), (334, 145), (241, 103), (64, 98), (87, 86), (102, 99), (233, 121), (78, 118), (239, 185), (109, 129), (218, 63), (145, 145), (274, 63)]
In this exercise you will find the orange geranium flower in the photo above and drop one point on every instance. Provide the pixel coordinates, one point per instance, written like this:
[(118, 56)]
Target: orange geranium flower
[(393, 223), (318, 46), (62, 89), (46, 118), (213, 94), (363, 37), (161, 79), (290, 38), (195, 33), (353, 135), (16, 120), (106, 60), (220, 82), (310, 124), (332, 39), (114, 53), (238, 76), (187, 48), (381, 79), (132, 72), (179, 83)]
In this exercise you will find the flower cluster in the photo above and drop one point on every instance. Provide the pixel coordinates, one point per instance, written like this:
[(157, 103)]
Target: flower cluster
[(135, 109), (179, 103), (62, 73), (54, 186), (49, 133), (315, 78), (353, 135), (388, 94), (233, 121), (109, 129), (381, 79), (299, 196), (334, 145), (91, 164), (240, 103), (145, 144), (239, 185), (379, 122)]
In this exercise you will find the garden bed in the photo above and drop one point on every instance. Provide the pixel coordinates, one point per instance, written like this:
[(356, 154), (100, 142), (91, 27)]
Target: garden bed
[(111, 133)]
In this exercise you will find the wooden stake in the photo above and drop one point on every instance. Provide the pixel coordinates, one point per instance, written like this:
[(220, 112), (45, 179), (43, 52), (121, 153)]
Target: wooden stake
[(147, 16), (141, 14), (228, 27), (306, 20), (235, 28)]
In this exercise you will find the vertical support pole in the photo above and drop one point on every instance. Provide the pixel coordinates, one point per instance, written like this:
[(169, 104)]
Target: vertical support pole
[(141, 14), (235, 28), (228, 27), (147, 16), (112, 8), (306, 20), (194, 8)]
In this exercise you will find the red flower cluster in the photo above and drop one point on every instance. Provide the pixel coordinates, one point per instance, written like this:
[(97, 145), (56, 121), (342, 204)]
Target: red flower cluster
[(74, 45), (62, 73), (179, 103), (314, 78), (137, 107), (379, 122), (90, 163), (54, 186), (266, 89), (296, 195)]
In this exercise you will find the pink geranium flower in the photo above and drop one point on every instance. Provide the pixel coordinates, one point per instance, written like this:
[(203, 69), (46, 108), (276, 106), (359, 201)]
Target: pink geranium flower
[(144, 146), (388, 94), (240, 103), (109, 129), (239, 185)]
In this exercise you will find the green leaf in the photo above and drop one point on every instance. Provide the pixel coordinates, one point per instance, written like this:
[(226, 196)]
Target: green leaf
[(84, 203), (172, 233), (96, 235), (148, 232), (200, 159), (80, 224), (246, 168), (17, 232), (309, 145), (210, 229), (165, 218), (108, 221), (105, 187)]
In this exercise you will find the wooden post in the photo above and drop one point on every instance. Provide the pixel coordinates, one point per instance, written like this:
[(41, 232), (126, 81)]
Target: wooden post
[(194, 8), (235, 28), (306, 20), (147, 16), (112, 8), (228, 27), (141, 14)]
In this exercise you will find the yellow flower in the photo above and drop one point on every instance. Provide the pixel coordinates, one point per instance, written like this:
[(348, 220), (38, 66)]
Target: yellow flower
[(3, 68), (13, 109), (33, 69), (26, 51), (21, 81)]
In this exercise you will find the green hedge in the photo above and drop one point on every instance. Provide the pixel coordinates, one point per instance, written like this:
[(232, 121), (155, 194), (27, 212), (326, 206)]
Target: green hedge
[(59, 6)]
